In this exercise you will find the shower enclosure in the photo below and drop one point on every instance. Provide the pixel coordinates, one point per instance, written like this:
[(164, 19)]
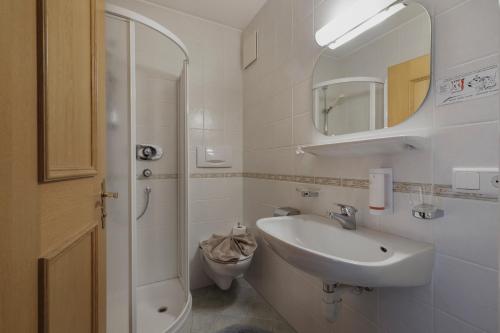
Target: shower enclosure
[(147, 269), (350, 104)]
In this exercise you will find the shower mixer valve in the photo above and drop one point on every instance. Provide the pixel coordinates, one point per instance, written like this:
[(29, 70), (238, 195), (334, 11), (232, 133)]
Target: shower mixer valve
[(148, 152), (147, 173)]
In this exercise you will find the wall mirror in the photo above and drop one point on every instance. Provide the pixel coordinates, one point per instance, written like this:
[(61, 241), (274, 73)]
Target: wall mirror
[(377, 79)]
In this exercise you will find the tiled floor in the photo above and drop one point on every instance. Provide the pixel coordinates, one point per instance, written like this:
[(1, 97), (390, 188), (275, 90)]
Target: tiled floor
[(214, 309)]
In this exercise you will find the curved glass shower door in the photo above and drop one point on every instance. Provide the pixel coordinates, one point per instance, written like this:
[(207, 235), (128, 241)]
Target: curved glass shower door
[(147, 163), (118, 170)]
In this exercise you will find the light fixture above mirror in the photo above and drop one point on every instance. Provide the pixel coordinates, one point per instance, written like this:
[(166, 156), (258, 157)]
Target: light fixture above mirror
[(361, 16), (367, 25)]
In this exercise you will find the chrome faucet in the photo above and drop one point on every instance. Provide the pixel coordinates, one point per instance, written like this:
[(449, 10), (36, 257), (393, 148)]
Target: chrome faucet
[(347, 216)]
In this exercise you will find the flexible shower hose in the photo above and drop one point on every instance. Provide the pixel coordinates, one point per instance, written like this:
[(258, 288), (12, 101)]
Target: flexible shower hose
[(147, 190)]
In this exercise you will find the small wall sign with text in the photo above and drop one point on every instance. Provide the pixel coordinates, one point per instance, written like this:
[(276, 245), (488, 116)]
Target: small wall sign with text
[(475, 84)]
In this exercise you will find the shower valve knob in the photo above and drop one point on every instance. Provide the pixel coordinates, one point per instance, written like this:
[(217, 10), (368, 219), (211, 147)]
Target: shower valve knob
[(147, 173)]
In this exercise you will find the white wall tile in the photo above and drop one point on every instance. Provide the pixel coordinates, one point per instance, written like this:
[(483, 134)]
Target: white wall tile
[(445, 323), (438, 7), (400, 314), (467, 291), (459, 43), (352, 322), (467, 231), (302, 98), (302, 9), (464, 146), (214, 137)]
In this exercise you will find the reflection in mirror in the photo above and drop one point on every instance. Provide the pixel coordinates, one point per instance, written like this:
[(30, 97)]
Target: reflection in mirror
[(377, 79)]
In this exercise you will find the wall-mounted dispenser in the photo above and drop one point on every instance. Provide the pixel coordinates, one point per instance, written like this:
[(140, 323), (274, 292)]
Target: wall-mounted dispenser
[(148, 152), (214, 156), (381, 192)]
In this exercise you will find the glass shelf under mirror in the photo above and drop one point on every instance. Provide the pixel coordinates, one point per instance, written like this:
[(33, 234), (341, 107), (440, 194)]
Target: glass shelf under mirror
[(369, 143)]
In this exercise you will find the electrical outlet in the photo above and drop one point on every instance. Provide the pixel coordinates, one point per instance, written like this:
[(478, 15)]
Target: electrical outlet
[(495, 182)]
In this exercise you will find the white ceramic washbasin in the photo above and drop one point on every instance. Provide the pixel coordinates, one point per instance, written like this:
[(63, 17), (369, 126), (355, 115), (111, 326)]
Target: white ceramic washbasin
[(361, 257)]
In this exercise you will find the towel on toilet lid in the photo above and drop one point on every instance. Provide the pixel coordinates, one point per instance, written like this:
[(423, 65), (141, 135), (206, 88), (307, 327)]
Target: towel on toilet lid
[(229, 248)]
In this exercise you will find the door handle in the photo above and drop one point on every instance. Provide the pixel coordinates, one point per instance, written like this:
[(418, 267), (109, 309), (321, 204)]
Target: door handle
[(111, 195), (104, 195)]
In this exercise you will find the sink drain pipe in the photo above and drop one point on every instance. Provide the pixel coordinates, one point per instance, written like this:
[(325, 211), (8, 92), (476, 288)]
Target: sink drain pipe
[(332, 298)]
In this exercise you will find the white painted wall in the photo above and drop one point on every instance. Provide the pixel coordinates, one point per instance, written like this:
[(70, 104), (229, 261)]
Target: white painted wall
[(277, 105)]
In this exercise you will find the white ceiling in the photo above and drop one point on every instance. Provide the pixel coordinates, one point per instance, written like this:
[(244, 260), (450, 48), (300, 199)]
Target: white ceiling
[(234, 13)]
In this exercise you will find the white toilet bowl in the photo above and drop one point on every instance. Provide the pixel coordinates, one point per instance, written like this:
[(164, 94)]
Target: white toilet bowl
[(224, 273)]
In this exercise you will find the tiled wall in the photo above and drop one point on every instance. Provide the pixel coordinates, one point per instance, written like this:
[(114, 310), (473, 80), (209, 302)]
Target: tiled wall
[(277, 103), (216, 109)]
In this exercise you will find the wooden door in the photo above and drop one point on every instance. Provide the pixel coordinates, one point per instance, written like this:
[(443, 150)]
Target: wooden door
[(408, 83), (71, 165), (19, 234), (52, 246)]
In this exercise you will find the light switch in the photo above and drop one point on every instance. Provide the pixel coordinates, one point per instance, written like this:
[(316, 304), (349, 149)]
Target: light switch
[(475, 180), (466, 180)]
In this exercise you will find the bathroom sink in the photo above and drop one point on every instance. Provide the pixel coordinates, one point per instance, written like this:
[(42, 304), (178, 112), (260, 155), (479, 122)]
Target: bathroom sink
[(361, 257)]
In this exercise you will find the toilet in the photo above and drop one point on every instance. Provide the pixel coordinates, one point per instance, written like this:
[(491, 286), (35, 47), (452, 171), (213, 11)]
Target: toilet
[(223, 273)]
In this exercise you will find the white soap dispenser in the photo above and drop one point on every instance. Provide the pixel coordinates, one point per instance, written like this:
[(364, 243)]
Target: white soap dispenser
[(380, 191)]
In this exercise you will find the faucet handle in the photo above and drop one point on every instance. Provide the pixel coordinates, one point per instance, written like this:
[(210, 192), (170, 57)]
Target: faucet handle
[(347, 209)]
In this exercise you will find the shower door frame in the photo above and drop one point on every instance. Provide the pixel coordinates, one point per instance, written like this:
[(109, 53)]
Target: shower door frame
[(131, 18)]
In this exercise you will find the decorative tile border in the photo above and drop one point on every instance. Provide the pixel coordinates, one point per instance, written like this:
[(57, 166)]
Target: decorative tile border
[(438, 190), (408, 187), (355, 183), (328, 181), (159, 176), (216, 175), (447, 191), (400, 187)]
